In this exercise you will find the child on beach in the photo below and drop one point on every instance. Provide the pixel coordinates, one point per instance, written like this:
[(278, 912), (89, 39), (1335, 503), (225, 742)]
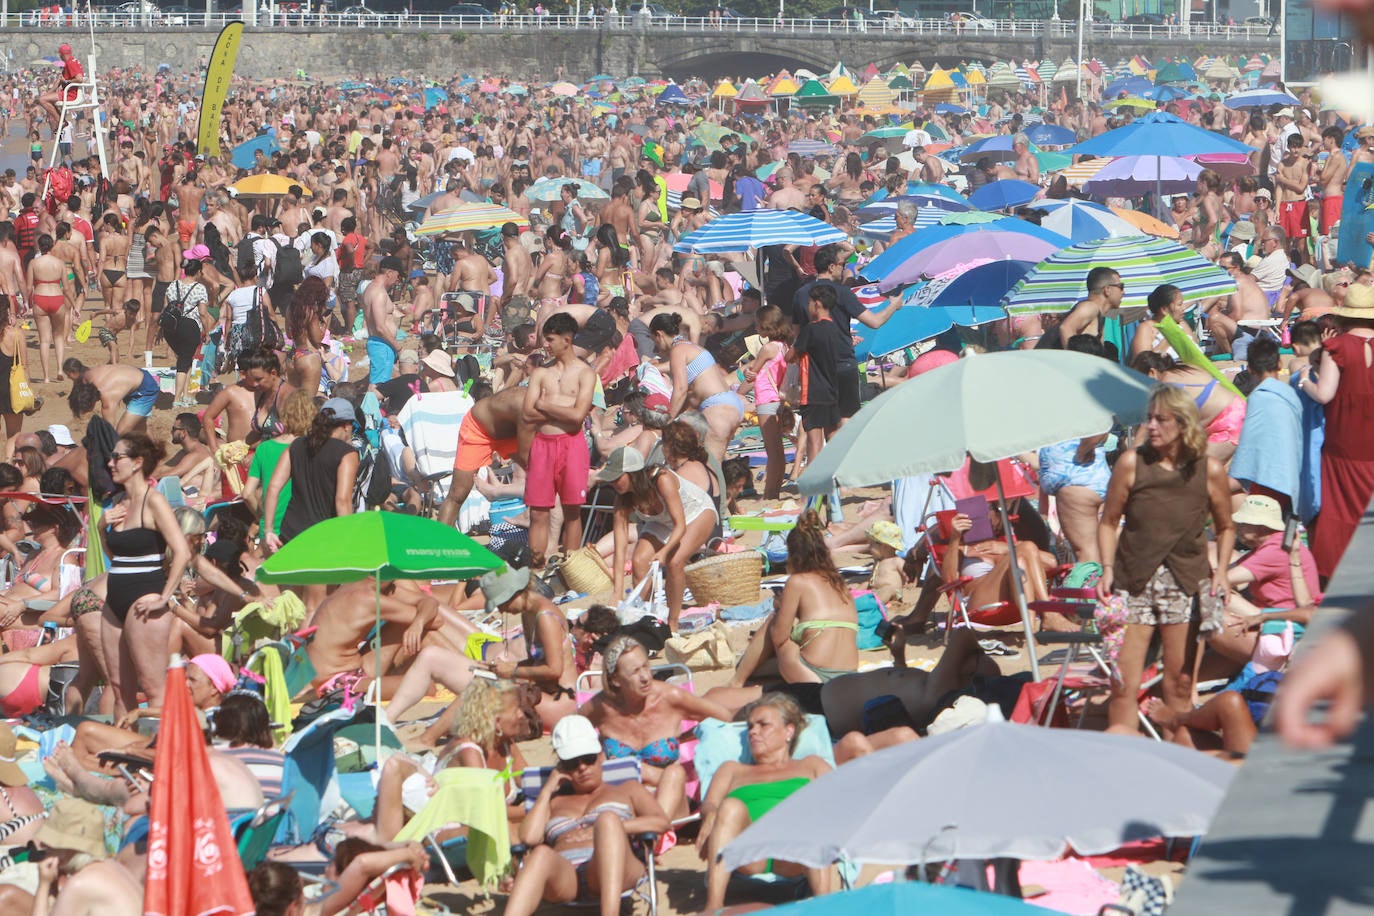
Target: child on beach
[(119, 321)]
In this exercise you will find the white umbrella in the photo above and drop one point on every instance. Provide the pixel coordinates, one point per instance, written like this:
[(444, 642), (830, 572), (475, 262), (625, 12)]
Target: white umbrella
[(993, 790)]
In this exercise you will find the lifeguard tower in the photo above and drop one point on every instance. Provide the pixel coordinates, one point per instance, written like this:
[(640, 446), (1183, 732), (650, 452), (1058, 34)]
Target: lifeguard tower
[(77, 97)]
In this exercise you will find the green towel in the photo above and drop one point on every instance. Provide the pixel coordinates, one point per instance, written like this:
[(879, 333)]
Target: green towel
[(275, 695), (476, 799)]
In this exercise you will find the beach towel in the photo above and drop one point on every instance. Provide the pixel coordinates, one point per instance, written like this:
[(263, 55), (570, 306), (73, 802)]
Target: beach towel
[(1309, 498), (476, 799), (909, 495), (430, 423), (1270, 451)]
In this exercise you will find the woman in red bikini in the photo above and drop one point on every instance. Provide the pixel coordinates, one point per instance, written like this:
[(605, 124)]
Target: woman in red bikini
[(47, 279)]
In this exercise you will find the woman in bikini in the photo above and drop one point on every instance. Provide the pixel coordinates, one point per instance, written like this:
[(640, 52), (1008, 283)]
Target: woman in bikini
[(114, 253), (305, 319), (26, 675), (261, 369), (138, 258), (52, 528), (640, 716), (613, 270), (552, 280), (698, 380), (579, 828), (1222, 411), (47, 279)]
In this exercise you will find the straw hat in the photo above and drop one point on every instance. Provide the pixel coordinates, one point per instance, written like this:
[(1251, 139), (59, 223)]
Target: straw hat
[(10, 774), (1359, 303), (74, 825), (1366, 131)]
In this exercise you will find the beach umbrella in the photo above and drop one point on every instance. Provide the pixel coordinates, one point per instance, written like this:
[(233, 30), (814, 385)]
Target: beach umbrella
[(913, 324), (950, 108), (1162, 135), (1147, 224), (988, 407), (422, 204), (710, 135), (1003, 194), (244, 156), (1136, 176), (1038, 811), (193, 864), (1259, 98), (752, 229), (564, 89), (1050, 135), (884, 226), (888, 205), (1144, 263), (268, 185), (602, 78), (1083, 170), (1132, 102), (809, 149), (1083, 221), (932, 189), (982, 283), (997, 148), (383, 545), (546, 190), (1230, 166), (1172, 94), (470, 217), (932, 251)]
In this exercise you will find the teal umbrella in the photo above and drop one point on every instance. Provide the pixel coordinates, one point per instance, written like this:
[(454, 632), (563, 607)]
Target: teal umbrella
[(988, 407), (384, 545)]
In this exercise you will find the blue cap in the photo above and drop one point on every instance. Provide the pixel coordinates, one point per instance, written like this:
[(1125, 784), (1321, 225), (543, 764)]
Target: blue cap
[(342, 409)]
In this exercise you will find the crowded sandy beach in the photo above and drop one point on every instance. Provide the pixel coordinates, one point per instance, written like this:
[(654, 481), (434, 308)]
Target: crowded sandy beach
[(466, 492)]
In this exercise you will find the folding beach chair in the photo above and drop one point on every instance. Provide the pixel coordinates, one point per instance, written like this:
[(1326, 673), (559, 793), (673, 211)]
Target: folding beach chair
[(254, 831), (622, 769), (430, 424)]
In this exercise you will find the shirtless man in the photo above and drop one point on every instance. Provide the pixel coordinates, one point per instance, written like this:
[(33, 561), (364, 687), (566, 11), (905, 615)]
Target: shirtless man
[(619, 212), (230, 230), (1306, 298), (472, 273), (518, 274), (237, 403), (109, 386), (665, 294), (1331, 178), (928, 168), (557, 402), (382, 347), (492, 426), (448, 200), (1027, 168), (192, 461), (13, 280), (785, 195), (1105, 291), (410, 619), (1247, 303), (292, 213), (72, 251), (1290, 190), (165, 267)]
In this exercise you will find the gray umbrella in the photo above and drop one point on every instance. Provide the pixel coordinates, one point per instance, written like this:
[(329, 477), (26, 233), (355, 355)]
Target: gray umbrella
[(998, 789)]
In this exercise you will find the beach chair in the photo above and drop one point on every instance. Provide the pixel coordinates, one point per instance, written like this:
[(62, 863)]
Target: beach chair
[(623, 769), (430, 424), (253, 832)]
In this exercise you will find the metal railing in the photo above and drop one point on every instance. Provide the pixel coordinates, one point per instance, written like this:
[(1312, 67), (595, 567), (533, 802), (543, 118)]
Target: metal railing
[(288, 19)]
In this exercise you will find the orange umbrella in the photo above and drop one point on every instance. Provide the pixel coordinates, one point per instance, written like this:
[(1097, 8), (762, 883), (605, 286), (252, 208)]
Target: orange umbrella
[(1146, 223), (193, 864)]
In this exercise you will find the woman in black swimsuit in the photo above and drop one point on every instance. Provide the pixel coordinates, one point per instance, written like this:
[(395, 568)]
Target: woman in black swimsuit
[(261, 373), (138, 532)]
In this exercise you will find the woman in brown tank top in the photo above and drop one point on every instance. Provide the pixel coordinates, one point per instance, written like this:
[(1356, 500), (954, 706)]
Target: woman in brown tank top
[(1164, 492)]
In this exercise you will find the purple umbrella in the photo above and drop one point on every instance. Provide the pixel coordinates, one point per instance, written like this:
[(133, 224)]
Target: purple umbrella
[(1134, 176), (943, 248)]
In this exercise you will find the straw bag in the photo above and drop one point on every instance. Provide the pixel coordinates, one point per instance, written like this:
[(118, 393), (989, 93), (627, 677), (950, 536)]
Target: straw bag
[(21, 394), (704, 650), (585, 571), (728, 580)]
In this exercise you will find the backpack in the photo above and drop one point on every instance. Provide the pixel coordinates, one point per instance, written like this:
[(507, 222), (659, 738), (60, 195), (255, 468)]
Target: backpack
[(372, 485), (259, 330), (245, 259), (290, 271), (171, 313)]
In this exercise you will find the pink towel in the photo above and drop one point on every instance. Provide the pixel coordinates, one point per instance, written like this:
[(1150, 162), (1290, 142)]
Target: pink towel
[(1072, 885)]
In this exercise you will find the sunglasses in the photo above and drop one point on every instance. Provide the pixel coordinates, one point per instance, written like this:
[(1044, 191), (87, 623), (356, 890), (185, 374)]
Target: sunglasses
[(1121, 286), (576, 763), (115, 456)]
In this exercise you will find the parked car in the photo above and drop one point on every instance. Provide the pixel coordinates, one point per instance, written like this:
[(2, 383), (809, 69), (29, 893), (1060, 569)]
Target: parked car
[(655, 11), (893, 19), (1145, 19), (469, 11), (1258, 22), (361, 16), (973, 21)]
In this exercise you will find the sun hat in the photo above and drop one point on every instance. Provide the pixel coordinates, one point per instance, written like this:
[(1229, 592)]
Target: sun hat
[(1359, 302), (196, 253), (691, 203), (74, 825), (1259, 510), (1243, 231), (1265, 193), (1366, 131), (621, 462), (61, 434), (10, 774), (501, 585), (885, 532), (440, 362), (343, 410), (574, 736), (1284, 113), (1308, 274), (216, 669)]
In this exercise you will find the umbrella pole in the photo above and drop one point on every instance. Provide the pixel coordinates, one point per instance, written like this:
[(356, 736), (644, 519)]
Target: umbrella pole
[(1017, 584), (377, 659)]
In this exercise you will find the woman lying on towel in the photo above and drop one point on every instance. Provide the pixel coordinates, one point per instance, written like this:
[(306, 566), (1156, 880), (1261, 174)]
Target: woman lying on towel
[(52, 528), (813, 634), (639, 716), (741, 793), (579, 829)]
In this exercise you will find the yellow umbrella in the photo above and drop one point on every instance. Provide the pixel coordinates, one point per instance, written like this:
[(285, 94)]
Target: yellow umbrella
[(842, 85), (1146, 223), (469, 217), (265, 186), (939, 79), (724, 90)]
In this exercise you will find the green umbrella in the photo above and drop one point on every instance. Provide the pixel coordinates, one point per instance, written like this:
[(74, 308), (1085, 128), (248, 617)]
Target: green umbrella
[(385, 545), (988, 407)]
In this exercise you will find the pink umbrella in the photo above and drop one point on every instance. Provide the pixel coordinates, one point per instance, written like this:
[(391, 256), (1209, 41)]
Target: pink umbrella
[(489, 87), (1229, 166), (678, 181)]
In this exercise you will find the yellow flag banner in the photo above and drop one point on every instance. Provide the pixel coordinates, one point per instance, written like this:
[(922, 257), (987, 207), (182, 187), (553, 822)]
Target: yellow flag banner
[(1190, 354), (217, 76)]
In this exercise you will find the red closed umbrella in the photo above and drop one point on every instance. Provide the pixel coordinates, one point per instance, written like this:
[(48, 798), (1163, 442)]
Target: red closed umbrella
[(193, 864)]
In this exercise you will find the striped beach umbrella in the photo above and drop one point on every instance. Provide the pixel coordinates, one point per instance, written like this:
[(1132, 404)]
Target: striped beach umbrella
[(1083, 221), (1144, 263), (468, 218), (751, 229)]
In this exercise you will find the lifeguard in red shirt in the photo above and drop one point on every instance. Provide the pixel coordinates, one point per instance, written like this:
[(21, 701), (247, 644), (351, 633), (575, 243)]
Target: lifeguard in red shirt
[(72, 74)]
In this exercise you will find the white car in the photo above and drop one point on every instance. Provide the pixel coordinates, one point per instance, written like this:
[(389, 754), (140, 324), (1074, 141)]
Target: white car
[(973, 21), (893, 20)]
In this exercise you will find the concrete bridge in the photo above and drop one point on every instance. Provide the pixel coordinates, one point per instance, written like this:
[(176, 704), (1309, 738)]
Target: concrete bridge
[(533, 52)]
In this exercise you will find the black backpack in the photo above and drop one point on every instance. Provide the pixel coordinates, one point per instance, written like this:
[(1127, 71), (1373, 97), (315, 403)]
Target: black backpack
[(245, 259), (289, 270), (372, 485)]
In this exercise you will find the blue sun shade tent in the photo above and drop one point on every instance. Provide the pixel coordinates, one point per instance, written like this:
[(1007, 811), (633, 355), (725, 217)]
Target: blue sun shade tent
[(672, 94)]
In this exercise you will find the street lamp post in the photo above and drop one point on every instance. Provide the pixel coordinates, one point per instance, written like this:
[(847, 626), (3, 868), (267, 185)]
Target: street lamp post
[(1082, 8)]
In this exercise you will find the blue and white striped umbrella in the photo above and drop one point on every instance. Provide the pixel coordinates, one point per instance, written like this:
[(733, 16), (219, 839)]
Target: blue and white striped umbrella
[(810, 148), (1259, 98), (925, 216), (888, 205), (751, 229), (1083, 221), (1144, 263)]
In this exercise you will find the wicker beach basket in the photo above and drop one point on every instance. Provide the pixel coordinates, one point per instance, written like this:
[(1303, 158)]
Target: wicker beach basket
[(585, 571), (730, 579)]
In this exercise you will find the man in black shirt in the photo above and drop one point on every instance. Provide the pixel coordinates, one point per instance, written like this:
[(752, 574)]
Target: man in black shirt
[(829, 270)]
